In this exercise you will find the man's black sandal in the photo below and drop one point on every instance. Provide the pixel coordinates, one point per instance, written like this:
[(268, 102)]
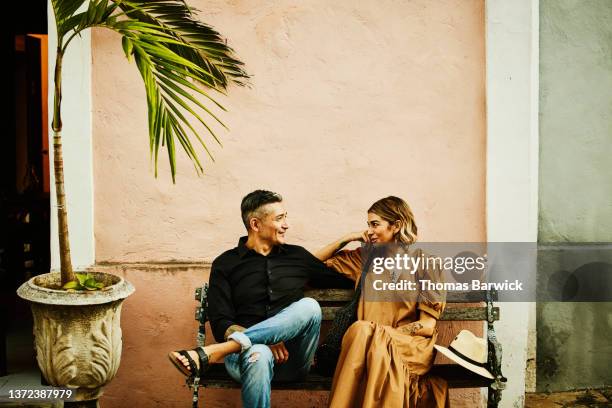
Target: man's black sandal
[(193, 367), (203, 360)]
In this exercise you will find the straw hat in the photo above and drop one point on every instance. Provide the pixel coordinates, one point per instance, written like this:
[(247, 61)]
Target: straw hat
[(469, 351)]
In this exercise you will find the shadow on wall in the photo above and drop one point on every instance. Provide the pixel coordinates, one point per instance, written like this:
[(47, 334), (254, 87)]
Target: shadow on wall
[(574, 324)]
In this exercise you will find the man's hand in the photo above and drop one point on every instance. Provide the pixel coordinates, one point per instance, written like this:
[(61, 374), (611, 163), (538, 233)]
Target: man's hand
[(280, 353)]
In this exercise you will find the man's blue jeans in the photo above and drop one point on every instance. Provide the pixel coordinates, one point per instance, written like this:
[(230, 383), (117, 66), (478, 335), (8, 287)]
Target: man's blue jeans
[(297, 326)]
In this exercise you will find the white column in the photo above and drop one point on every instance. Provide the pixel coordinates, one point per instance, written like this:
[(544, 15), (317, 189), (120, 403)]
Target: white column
[(77, 147), (512, 38)]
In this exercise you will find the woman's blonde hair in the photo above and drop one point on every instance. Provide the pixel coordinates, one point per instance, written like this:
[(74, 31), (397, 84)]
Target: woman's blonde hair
[(392, 209)]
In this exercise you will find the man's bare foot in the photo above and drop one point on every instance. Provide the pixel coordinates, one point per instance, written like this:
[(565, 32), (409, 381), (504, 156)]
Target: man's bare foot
[(184, 360)]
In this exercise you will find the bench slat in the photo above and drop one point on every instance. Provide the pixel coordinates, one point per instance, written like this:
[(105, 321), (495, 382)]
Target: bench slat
[(330, 295), (457, 377), (468, 313), (344, 295)]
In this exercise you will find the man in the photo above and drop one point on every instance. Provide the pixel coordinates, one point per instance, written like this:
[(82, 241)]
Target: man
[(264, 326)]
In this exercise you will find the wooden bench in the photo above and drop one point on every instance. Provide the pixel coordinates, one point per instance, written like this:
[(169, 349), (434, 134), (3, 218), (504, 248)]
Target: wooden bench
[(460, 307)]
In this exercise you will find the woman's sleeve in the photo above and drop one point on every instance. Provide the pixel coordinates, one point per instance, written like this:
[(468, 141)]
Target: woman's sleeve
[(346, 262), (430, 300)]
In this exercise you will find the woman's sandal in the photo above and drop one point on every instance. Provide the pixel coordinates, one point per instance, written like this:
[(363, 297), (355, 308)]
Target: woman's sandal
[(193, 367)]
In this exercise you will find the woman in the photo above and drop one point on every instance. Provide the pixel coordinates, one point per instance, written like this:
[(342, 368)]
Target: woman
[(388, 351)]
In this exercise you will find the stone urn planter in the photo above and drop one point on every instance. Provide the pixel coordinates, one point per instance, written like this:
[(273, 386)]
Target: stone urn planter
[(77, 334)]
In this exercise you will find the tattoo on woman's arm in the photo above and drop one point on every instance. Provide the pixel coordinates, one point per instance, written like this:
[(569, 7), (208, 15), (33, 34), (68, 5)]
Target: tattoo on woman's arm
[(412, 328)]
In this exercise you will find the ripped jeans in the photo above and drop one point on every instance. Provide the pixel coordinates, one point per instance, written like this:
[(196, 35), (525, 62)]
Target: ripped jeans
[(297, 326)]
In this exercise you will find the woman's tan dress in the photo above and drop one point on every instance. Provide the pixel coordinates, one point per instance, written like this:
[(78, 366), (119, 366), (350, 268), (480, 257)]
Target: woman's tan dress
[(380, 365)]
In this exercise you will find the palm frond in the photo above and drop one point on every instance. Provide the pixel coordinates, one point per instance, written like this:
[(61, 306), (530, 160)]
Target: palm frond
[(64, 9), (178, 58), (177, 19)]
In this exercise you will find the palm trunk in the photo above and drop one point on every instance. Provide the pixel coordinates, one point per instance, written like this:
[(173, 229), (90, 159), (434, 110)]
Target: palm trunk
[(58, 166)]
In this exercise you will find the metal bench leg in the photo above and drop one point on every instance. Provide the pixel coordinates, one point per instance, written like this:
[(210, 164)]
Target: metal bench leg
[(196, 387), (495, 392), (495, 356)]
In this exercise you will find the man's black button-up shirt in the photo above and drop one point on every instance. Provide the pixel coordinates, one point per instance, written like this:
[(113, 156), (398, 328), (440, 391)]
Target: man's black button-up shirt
[(246, 287)]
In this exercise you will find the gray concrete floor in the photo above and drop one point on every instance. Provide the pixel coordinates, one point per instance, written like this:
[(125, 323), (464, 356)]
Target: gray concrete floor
[(23, 371)]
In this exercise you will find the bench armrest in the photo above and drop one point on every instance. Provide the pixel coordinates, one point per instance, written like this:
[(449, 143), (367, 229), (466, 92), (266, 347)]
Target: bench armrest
[(494, 357), (201, 313)]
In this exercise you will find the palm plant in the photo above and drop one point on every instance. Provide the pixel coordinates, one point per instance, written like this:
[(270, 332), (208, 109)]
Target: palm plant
[(177, 57)]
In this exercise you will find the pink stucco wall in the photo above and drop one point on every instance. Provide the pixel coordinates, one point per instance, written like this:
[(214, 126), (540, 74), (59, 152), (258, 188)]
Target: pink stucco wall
[(349, 102)]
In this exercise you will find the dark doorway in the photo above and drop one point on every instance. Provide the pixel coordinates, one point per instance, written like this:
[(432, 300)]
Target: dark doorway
[(24, 178)]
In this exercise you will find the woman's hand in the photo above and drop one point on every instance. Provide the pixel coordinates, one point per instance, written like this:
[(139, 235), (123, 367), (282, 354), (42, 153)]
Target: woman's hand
[(360, 236), (424, 327), (330, 249)]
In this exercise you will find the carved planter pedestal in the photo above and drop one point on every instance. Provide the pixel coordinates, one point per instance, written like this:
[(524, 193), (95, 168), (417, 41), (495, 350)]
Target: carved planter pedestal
[(77, 334)]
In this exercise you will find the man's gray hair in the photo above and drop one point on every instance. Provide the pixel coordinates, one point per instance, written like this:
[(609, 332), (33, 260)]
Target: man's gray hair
[(253, 202)]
